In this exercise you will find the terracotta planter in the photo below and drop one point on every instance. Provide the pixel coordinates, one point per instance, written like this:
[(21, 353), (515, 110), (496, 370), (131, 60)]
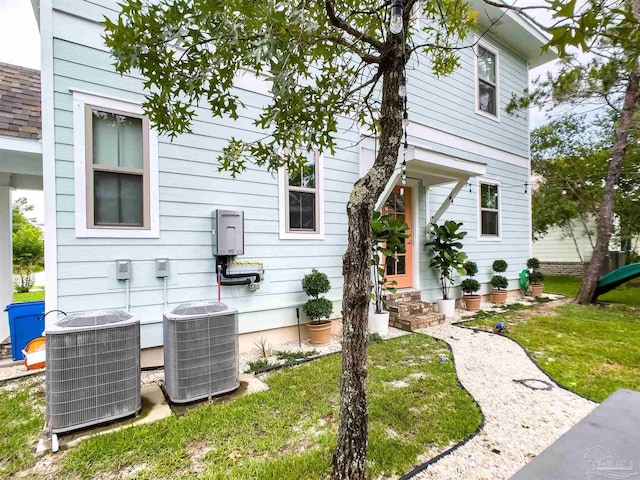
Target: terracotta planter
[(499, 296), (472, 302), (378, 322), (536, 289), (320, 333)]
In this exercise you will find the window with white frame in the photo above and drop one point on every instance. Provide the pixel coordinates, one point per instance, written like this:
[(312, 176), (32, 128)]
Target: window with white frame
[(117, 162), (487, 87), (302, 203), (116, 169), (489, 210)]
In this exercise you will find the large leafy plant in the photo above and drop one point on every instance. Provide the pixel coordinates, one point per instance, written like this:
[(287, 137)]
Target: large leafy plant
[(448, 255), (387, 235)]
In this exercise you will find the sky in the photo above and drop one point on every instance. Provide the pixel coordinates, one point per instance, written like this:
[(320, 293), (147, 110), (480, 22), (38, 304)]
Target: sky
[(20, 45)]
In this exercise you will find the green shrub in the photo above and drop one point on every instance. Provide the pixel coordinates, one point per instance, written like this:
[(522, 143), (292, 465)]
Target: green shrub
[(499, 282), (289, 357), (536, 277), (315, 283), (317, 308), (533, 263), (375, 338), (499, 266), (470, 286), (471, 268), (258, 364)]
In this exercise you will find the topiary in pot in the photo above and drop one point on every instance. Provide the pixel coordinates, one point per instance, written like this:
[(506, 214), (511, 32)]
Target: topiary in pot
[(499, 282), (318, 308), (470, 286), (535, 277)]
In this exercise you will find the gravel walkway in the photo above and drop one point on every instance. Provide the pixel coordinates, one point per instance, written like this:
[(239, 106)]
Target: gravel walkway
[(519, 422)]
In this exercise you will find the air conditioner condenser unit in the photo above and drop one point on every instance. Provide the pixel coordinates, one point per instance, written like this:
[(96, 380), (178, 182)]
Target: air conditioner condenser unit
[(201, 352)]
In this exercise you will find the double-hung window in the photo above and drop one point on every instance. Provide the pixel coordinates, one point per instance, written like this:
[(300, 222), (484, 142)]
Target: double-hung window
[(489, 210), (302, 197), (487, 87), (117, 162), (115, 153), (301, 200)]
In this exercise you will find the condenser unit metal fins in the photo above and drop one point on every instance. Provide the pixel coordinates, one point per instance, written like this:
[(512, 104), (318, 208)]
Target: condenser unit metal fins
[(201, 353), (93, 369)]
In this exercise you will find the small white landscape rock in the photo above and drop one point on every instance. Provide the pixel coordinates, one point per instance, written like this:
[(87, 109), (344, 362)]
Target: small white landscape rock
[(519, 422)]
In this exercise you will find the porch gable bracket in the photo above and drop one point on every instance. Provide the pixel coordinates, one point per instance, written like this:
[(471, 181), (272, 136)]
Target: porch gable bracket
[(447, 201)]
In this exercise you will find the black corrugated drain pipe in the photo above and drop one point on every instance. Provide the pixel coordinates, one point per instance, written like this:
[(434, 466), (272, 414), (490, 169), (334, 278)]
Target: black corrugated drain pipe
[(235, 278)]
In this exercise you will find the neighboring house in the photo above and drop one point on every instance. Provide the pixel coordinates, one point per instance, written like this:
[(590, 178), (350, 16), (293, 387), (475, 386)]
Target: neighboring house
[(468, 160), (20, 161), (566, 250)]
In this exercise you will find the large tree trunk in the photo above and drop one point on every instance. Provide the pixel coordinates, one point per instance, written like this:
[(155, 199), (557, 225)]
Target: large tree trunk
[(349, 461), (605, 221)]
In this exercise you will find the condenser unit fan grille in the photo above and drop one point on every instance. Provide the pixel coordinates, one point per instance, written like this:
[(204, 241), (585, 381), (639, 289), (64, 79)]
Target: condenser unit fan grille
[(201, 355), (93, 376)]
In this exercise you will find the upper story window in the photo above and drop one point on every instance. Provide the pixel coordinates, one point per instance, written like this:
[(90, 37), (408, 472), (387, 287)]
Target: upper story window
[(489, 210), (302, 197), (117, 169), (487, 81), (301, 215)]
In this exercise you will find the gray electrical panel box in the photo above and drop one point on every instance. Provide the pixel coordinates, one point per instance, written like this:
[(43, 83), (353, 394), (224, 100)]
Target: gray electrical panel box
[(162, 267), (228, 232), (123, 269)]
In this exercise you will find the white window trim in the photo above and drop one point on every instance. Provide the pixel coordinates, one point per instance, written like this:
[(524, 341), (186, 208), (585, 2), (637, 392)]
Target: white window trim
[(282, 207), (80, 99), (496, 52), (498, 183)]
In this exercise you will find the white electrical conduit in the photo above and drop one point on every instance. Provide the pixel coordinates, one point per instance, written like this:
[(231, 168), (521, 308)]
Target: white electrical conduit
[(128, 296), (166, 298)]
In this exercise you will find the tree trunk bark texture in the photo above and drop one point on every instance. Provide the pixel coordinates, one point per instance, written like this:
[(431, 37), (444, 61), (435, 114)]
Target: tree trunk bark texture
[(605, 220), (349, 461)]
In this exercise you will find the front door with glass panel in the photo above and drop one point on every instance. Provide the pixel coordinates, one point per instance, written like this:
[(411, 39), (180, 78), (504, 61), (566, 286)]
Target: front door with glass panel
[(399, 205)]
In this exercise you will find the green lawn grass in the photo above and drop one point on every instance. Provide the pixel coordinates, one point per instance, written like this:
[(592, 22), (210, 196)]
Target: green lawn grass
[(593, 350), (290, 430), (21, 418), (31, 296), (627, 294)]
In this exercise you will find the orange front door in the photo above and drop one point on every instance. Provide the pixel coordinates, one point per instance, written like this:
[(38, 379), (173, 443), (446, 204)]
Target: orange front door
[(399, 205)]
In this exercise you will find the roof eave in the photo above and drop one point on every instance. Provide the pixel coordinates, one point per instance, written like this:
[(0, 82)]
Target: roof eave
[(515, 31)]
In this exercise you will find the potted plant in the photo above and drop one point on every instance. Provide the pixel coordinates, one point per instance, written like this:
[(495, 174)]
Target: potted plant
[(318, 308), (470, 286), (448, 258), (387, 235), (499, 282), (535, 277)]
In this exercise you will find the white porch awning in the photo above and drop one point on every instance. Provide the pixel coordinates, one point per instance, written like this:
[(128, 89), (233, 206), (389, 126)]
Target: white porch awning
[(431, 168)]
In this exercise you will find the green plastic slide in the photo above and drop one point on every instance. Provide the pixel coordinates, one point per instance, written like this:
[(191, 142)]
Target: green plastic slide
[(618, 277)]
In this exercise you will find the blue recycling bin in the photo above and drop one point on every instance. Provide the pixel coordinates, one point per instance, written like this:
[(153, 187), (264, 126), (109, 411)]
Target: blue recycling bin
[(26, 322)]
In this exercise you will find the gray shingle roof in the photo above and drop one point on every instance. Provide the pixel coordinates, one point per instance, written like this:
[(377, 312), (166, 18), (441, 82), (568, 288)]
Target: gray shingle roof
[(20, 102)]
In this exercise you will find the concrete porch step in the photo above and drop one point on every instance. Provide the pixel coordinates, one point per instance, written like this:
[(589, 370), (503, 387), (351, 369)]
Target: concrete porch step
[(416, 322)]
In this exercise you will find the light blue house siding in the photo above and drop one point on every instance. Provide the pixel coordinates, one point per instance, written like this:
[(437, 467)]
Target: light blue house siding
[(191, 189)]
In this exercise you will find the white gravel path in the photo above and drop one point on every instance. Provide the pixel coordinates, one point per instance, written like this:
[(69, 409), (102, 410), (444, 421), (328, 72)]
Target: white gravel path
[(519, 422)]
